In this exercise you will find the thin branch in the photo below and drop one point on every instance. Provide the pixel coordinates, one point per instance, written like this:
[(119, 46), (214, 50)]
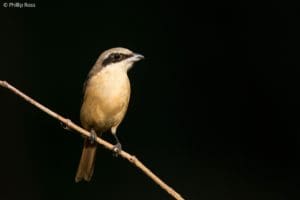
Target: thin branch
[(131, 158)]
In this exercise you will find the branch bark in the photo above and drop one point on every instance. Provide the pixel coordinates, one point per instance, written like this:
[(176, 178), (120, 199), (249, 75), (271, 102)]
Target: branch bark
[(131, 158)]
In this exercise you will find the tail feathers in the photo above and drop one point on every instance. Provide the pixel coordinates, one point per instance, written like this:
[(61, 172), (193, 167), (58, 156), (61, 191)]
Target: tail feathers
[(87, 162)]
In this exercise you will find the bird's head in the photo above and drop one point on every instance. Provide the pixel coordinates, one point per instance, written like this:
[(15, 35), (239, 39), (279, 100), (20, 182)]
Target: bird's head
[(118, 57)]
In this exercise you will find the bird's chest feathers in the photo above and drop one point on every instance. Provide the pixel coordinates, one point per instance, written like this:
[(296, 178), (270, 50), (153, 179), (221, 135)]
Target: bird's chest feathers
[(110, 88), (111, 82)]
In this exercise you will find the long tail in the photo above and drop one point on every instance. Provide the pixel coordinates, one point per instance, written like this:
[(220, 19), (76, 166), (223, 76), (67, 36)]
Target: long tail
[(87, 161)]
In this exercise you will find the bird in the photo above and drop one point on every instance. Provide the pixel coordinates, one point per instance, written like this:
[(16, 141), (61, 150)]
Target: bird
[(106, 94)]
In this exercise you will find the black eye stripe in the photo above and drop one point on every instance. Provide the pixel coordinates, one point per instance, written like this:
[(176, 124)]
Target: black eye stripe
[(115, 57)]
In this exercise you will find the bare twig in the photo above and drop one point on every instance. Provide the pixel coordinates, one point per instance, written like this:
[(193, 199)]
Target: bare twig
[(131, 158)]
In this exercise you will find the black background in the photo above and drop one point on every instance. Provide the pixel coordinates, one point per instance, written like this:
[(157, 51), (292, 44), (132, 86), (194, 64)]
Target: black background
[(214, 108)]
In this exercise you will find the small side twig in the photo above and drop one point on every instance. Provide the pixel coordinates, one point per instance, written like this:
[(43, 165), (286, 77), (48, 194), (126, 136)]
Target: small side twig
[(69, 124)]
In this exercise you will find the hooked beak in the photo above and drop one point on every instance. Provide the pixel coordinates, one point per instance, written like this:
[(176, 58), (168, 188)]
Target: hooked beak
[(136, 57)]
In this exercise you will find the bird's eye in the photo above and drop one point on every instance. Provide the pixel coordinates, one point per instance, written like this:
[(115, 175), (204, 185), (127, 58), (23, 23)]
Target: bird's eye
[(116, 57)]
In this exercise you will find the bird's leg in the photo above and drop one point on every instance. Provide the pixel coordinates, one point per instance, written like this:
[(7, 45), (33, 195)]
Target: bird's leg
[(117, 147), (93, 136)]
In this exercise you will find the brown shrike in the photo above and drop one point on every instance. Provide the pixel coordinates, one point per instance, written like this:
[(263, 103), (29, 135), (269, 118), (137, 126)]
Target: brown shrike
[(105, 102)]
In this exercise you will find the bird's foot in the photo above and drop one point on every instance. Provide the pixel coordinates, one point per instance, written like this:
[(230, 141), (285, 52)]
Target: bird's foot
[(65, 125), (93, 136), (117, 149)]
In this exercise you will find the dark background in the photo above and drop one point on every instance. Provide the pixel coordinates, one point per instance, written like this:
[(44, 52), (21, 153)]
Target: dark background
[(214, 108)]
